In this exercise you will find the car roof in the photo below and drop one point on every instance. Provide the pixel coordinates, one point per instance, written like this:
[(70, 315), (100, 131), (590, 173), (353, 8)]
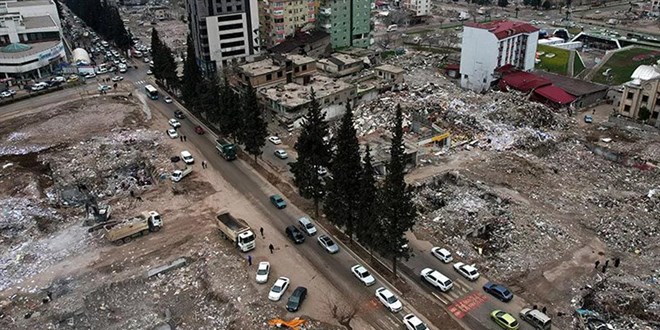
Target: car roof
[(385, 292), (292, 227), (469, 268), (360, 268), (304, 220), (281, 280), (508, 317), (264, 263), (299, 290), (414, 320), (186, 153)]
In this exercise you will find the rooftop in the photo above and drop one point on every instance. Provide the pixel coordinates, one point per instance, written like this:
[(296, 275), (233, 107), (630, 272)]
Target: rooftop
[(342, 59), (300, 59), (504, 29), (35, 48), (35, 22), (28, 3), (575, 87), (646, 72), (292, 95), (298, 40), (268, 65), (390, 68)]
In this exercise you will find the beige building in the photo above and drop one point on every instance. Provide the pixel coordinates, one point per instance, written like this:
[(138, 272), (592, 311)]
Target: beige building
[(282, 18), (277, 69), (643, 91), (340, 65), (291, 99), (390, 73)]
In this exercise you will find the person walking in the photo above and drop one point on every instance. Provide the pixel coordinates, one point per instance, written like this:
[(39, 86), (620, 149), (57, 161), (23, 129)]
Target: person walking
[(185, 138), (261, 230), (249, 260), (607, 262), (617, 261), (181, 138), (544, 310), (597, 263), (271, 248)]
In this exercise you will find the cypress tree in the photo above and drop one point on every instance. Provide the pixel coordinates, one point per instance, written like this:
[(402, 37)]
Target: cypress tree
[(192, 77), (230, 113), (368, 227), (254, 129)]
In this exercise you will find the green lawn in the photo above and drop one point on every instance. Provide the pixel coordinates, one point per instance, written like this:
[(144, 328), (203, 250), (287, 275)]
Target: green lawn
[(557, 64), (623, 65), (578, 66)]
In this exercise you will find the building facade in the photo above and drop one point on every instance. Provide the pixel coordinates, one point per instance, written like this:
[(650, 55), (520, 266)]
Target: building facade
[(340, 65), (224, 32), (643, 91), (488, 46), (275, 70), (30, 39), (347, 21), (419, 8), (283, 18)]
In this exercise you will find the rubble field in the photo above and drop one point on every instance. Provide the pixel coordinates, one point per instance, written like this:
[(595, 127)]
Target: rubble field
[(59, 162), (535, 198)]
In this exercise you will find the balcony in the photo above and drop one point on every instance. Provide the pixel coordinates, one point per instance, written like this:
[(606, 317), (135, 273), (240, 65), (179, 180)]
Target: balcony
[(325, 11), (326, 26)]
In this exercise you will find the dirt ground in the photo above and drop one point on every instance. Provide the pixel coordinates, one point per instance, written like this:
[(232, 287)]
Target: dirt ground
[(55, 274)]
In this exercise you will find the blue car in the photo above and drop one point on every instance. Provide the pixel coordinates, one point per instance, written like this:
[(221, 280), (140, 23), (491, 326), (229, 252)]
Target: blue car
[(498, 291), (278, 201)]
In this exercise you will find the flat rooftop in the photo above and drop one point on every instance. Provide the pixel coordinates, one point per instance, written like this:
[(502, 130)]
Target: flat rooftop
[(36, 22), (28, 3), (300, 59), (389, 68), (292, 95), (265, 66), (36, 48)]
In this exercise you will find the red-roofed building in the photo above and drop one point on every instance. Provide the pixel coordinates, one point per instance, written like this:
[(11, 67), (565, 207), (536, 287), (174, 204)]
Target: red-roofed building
[(524, 81), (488, 46), (553, 96)]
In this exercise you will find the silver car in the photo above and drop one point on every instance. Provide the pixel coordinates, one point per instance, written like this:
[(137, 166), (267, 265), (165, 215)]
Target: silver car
[(328, 244)]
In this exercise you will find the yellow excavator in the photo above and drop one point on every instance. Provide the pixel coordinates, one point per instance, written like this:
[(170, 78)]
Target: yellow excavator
[(293, 324)]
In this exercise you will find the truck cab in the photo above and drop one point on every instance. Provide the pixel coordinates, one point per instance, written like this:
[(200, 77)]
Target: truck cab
[(226, 149)]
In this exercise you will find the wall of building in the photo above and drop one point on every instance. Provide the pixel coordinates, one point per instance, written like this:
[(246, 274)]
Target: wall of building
[(634, 97), (347, 22), (478, 58), (35, 65)]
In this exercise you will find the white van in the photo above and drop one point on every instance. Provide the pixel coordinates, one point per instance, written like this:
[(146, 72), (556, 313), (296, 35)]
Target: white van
[(307, 226), (392, 28), (187, 157), (536, 318), (137, 53)]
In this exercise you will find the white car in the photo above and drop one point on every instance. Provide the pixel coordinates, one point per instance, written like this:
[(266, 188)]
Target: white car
[(149, 72), (436, 279), (388, 299), (146, 60), (363, 275), (443, 254), (172, 133), (321, 171), (187, 157), (90, 75), (5, 94), (168, 99), (274, 140), (262, 272), (281, 154), (174, 123), (278, 288), (117, 78), (102, 88), (307, 226), (328, 244), (413, 322), (467, 271)]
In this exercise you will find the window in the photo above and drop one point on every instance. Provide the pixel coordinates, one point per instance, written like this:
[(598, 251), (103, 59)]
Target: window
[(296, 70), (645, 98), (239, 7), (304, 67), (465, 76), (269, 77), (279, 74), (630, 96), (626, 108)]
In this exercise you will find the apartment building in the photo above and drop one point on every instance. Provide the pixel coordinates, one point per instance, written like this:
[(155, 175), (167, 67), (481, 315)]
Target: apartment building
[(340, 65), (643, 91), (283, 18), (347, 21), (30, 39), (225, 32), (488, 46), (419, 8), (275, 70)]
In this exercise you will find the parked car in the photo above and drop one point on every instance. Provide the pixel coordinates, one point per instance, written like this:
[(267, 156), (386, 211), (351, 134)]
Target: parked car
[(388, 299), (90, 75), (278, 288), (5, 94), (167, 99), (117, 78), (278, 201), (179, 114), (263, 270), (321, 170), (199, 130), (58, 79), (146, 60), (174, 123), (467, 271), (281, 154), (363, 275), (498, 291), (504, 320), (294, 234), (296, 299), (274, 140), (413, 322), (187, 157), (442, 254), (588, 119), (172, 133), (104, 88), (436, 279), (307, 226), (328, 244), (149, 72)]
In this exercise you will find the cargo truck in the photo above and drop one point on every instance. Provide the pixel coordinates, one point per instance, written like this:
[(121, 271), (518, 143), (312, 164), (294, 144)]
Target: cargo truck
[(236, 230), (177, 175), (226, 149), (141, 225)]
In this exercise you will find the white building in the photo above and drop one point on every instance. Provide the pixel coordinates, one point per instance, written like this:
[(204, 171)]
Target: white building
[(224, 32), (30, 39), (488, 46), (420, 7)]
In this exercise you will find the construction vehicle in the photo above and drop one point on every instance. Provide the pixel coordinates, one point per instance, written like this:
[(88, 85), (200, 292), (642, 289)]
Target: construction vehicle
[(123, 232), (236, 230), (226, 149), (95, 212), (177, 175)]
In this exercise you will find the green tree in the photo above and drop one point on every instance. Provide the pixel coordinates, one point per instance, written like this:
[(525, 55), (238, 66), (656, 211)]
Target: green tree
[(192, 77), (502, 3), (254, 129), (342, 191), (313, 151), (170, 68), (208, 100), (398, 210), (230, 114), (157, 55), (644, 113), (368, 227)]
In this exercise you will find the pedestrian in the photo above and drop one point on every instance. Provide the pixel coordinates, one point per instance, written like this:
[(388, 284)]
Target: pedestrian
[(593, 112), (261, 230), (544, 310), (203, 164), (249, 260), (604, 268), (181, 138), (185, 138), (271, 248), (535, 307), (607, 262), (597, 263), (617, 261)]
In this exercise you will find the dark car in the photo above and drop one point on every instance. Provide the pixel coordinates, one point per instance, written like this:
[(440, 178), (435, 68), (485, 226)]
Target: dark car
[(278, 201), (498, 291), (296, 299), (199, 130), (179, 114), (294, 234)]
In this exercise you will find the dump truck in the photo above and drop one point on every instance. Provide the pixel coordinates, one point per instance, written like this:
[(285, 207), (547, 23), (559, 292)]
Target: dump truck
[(236, 230), (226, 149), (122, 232), (177, 175)]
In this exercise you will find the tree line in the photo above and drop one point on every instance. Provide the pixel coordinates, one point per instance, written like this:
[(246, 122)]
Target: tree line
[(103, 18)]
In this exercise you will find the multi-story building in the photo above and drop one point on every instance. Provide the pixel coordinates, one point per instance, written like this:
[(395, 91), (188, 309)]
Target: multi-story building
[(30, 39), (488, 46), (283, 18), (275, 70), (419, 8), (643, 91), (347, 21), (224, 32), (314, 43), (340, 65)]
